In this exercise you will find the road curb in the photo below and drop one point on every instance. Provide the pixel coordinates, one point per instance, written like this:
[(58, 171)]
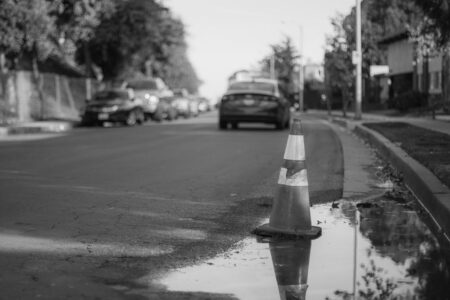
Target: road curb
[(430, 191), (3, 131), (36, 128)]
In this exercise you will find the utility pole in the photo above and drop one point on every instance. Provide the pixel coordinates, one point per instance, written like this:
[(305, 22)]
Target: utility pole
[(301, 79), (358, 58)]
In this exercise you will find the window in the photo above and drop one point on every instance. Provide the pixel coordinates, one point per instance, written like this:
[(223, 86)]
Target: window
[(109, 95), (142, 85), (419, 82), (435, 81), (253, 86)]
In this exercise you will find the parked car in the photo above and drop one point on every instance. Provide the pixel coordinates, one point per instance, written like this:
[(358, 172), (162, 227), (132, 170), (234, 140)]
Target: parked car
[(204, 105), (150, 91), (182, 103), (114, 105), (255, 100), (166, 109), (193, 106)]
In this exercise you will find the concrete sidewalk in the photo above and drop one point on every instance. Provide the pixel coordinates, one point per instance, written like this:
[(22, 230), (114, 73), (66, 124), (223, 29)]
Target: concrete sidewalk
[(428, 189), (440, 124)]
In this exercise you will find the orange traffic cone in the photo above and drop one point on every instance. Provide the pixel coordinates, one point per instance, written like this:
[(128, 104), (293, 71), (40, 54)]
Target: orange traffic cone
[(291, 263), (291, 208)]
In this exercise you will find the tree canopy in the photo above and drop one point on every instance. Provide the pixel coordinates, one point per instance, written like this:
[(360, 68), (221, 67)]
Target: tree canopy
[(380, 18), (121, 37), (26, 27), (285, 57), (438, 18)]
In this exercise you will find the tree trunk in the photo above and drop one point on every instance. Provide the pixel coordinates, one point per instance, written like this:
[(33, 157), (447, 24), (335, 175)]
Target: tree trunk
[(327, 93), (2, 62), (3, 94), (426, 81), (88, 74), (3, 77), (37, 78), (446, 79), (345, 96)]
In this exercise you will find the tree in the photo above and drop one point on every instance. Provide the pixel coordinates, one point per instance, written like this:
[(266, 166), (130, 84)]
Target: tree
[(139, 37), (380, 18), (75, 22), (25, 31), (285, 58), (178, 71), (438, 18), (338, 65), (437, 24), (10, 33), (122, 37)]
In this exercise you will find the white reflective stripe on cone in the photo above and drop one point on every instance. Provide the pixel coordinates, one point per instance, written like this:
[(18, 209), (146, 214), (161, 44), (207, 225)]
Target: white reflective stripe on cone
[(295, 148), (298, 179)]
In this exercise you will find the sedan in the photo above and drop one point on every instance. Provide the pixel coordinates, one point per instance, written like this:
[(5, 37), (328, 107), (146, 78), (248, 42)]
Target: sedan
[(165, 110), (115, 105), (255, 101), (150, 91)]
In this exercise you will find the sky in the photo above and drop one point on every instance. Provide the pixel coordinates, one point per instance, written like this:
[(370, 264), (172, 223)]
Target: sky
[(224, 36)]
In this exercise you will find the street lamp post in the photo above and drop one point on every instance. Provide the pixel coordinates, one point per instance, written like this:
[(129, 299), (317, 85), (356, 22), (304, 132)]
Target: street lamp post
[(358, 88), (272, 66), (301, 78)]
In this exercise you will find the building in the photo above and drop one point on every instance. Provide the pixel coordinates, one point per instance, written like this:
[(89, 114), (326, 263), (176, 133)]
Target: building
[(410, 71)]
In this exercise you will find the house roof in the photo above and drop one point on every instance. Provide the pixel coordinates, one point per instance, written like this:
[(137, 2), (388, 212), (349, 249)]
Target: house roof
[(392, 38)]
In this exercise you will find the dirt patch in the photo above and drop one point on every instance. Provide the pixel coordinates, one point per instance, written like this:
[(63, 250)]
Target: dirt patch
[(430, 148)]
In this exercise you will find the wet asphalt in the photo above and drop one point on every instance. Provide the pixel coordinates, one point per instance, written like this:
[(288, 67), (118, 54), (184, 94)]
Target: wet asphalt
[(109, 213)]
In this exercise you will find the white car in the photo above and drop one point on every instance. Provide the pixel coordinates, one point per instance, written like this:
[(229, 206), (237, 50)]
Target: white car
[(149, 91)]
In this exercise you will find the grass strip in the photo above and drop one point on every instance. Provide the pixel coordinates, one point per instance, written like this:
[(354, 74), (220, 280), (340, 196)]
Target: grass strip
[(430, 148)]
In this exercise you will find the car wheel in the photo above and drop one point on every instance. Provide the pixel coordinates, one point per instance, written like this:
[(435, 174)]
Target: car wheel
[(140, 117), (157, 117), (172, 115), (222, 125), (279, 125), (131, 119)]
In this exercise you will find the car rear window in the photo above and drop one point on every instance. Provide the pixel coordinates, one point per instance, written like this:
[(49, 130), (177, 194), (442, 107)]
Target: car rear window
[(109, 95), (252, 86), (142, 85)]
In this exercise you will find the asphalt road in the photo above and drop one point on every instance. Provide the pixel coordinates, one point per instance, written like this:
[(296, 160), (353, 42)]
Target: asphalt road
[(100, 212)]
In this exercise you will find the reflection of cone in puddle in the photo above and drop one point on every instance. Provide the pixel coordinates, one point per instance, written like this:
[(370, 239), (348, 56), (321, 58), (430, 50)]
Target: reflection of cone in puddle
[(291, 261), (291, 208)]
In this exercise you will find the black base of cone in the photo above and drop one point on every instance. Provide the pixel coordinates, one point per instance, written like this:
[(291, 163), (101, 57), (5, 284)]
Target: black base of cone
[(269, 231)]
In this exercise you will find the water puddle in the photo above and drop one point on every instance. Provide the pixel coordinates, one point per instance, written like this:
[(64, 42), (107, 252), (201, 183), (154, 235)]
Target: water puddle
[(388, 253)]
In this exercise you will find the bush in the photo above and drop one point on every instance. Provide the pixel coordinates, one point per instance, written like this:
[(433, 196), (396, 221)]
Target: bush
[(7, 112), (408, 100)]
